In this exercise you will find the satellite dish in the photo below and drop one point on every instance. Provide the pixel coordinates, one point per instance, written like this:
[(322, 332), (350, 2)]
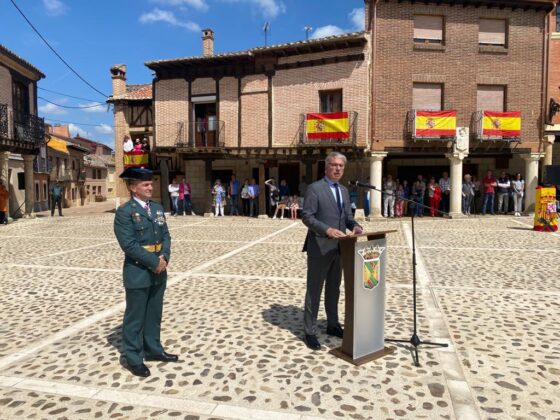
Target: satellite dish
[(553, 109)]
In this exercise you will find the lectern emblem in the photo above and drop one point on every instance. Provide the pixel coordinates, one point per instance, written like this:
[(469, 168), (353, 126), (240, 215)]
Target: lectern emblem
[(372, 266)]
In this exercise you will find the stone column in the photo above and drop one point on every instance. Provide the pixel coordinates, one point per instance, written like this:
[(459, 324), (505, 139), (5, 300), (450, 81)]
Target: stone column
[(456, 177), (4, 158), (29, 185), (531, 179), (375, 179), (548, 146)]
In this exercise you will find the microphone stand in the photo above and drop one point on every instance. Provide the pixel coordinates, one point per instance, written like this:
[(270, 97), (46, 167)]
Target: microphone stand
[(415, 341)]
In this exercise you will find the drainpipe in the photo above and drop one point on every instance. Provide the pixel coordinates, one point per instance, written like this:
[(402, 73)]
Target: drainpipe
[(545, 75)]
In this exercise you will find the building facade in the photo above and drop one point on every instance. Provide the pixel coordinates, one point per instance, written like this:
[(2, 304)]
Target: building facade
[(21, 131), (462, 57), (552, 130)]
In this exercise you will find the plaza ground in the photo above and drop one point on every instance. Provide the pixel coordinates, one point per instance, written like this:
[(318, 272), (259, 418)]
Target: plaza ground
[(488, 286)]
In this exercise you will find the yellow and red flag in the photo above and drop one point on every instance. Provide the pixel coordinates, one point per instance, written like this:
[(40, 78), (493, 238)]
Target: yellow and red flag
[(502, 124), (435, 123), (332, 125), (135, 159)]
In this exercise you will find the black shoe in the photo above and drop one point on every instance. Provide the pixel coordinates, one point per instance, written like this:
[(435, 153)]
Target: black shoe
[(336, 331), (312, 342), (138, 370), (163, 357)]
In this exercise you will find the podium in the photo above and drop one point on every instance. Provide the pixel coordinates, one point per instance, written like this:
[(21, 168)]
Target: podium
[(364, 266)]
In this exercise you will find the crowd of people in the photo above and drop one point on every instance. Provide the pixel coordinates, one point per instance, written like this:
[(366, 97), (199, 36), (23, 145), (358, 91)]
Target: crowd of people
[(423, 197), (431, 197), (138, 145)]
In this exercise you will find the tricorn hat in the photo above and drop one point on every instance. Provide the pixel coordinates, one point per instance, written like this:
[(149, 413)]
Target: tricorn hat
[(137, 174)]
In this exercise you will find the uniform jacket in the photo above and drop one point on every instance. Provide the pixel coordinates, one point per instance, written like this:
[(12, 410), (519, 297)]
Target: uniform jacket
[(320, 212), (4, 196), (134, 229)]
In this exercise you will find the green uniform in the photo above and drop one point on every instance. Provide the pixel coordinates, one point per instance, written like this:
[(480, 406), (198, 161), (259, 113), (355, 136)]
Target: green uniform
[(143, 237)]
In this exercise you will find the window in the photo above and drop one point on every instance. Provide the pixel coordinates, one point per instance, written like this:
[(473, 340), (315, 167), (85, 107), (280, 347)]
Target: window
[(427, 96), (331, 101), (20, 97), (37, 190), (492, 32), (428, 29), (21, 180), (490, 98), (558, 18), (45, 195)]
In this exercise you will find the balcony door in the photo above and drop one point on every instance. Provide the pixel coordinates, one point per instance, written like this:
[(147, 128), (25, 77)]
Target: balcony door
[(20, 101), (205, 124)]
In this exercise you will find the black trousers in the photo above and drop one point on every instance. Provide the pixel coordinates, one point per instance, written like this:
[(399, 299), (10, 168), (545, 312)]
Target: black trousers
[(56, 201)]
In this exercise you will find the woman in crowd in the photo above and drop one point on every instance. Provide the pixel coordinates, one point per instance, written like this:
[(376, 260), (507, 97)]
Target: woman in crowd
[(467, 192), (518, 188), (245, 197), (274, 194), (399, 202), (418, 191), (219, 195), (434, 196), (294, 206), (174, 194)]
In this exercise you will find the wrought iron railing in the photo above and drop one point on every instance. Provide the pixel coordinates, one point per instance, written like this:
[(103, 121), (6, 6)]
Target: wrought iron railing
[(41, 165), (411, 130), (477, 122), (350, 139), (203, 134), (4, 122), (30, 129)]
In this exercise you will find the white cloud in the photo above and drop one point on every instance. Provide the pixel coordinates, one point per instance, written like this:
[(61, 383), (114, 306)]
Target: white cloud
[(93, 107), (104, 129), (195, 4), (51, 109), (158, 15), (76, 129), (358, 18), (55, 7), (328, 30), (269, 9)]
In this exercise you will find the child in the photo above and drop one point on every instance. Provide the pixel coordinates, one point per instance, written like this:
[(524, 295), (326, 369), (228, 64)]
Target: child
[(294, 206)]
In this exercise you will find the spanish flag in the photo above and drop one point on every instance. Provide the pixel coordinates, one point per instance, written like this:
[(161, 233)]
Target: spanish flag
[(503, 124), (435, 123), (135, 159), (334, 125)]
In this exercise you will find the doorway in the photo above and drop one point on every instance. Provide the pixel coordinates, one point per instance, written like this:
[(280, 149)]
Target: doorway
[(291, 173), (205, 124)]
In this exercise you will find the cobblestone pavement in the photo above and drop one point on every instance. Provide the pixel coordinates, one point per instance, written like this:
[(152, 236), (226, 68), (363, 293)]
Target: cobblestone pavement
[(487, 286)]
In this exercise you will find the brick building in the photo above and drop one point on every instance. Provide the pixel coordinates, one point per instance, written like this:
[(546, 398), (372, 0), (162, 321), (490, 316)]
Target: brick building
[(463, 56), (552, 132), (243, 113)]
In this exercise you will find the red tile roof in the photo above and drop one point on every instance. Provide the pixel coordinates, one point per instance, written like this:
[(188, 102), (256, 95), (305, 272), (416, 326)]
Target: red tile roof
[(134, 93)]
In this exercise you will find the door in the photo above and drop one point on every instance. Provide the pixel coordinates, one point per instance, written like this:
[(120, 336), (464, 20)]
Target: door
[(291, 173), (205, 125)]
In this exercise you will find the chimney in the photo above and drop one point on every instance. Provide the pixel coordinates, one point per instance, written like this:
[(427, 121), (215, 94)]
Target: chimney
[(118, 76), (207, 42)]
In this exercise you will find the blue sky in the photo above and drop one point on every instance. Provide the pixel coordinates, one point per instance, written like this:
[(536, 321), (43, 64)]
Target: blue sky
[(93, 35)]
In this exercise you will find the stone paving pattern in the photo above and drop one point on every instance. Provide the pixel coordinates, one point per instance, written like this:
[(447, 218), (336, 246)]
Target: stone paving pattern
[(233, 312)]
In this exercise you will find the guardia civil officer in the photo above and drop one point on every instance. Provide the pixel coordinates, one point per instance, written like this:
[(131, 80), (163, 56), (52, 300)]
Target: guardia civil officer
[(142, 233)]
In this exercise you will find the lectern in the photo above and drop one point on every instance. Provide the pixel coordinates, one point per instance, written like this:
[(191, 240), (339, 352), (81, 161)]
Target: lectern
[(364, 266)]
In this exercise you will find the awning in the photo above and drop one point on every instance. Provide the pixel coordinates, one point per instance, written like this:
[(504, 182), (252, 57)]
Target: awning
[(58, 145)]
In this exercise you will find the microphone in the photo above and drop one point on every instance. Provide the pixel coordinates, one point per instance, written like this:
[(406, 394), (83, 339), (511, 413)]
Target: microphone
[(357, 183)]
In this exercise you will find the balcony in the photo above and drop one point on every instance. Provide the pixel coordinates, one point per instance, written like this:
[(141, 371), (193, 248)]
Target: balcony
[(496, 126), (427, 125), (58, 174), (328, 129), (41, 165), (201, 135), (22, 136)]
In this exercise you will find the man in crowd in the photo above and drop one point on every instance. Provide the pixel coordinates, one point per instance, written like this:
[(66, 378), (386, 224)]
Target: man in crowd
[(503, 192), (253, 198), (233, 192), (445, 186), (141, 230), (327, 214), (4, 199), (57, 192), (489, 188)]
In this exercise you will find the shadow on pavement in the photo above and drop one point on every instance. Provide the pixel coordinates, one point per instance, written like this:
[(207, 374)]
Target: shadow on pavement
[(288, 317)]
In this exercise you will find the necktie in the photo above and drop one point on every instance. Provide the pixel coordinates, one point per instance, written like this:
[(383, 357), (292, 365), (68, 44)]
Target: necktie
[(147, 207), (338, 198)]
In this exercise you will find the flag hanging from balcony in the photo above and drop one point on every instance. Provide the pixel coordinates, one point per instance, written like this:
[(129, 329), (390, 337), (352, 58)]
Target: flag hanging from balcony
[(333, 125), (58, 145), (501, 124), (135, 158), (435, 123)]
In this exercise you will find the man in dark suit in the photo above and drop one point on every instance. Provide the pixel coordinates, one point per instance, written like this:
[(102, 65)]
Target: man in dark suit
[(141, 230), (327, 214)]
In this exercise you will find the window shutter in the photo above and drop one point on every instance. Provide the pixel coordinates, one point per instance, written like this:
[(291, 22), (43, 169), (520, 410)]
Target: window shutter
[(490, 98), (427, 97), (492, 32), (428, 27)]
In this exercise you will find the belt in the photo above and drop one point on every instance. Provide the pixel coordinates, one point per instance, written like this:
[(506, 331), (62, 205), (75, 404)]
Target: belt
[(152, 248)]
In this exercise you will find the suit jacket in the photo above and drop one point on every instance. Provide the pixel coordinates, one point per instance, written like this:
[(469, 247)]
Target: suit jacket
[(134, 229), (320, 212)]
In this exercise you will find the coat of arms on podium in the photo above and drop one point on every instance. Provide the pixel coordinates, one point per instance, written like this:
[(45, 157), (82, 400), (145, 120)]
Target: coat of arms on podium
[(371, 257)]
